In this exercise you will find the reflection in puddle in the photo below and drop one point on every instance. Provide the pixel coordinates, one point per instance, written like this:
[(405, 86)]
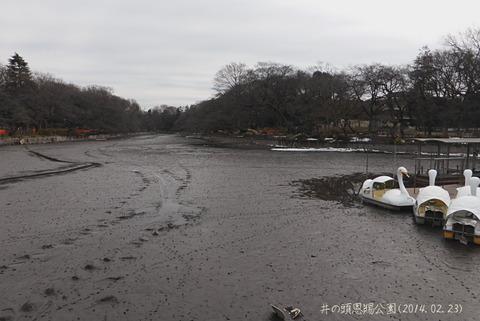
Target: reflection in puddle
[(342, 189)]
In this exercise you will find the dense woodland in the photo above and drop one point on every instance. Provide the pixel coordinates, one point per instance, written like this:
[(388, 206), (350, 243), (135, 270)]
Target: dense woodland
[(438, 91), (40, 103)]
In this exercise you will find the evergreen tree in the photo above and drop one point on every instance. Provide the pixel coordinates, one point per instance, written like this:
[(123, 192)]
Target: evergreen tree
[(18, 84), (18, 73)]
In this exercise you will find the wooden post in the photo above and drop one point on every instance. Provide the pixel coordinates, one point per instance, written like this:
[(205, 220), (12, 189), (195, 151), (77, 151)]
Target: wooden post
[(448, 158), (468, 154), (474, 158)]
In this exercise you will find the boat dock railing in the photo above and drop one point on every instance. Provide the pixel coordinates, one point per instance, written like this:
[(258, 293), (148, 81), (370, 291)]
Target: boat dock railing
[(449, 169)]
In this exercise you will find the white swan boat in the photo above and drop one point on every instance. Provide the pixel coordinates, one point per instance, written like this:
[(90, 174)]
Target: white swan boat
[(432, 203), (466, 189), (463, 216), (381, 191)]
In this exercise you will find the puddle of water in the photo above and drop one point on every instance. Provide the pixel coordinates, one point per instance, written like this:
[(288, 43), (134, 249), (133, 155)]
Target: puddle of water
[(341, 189)]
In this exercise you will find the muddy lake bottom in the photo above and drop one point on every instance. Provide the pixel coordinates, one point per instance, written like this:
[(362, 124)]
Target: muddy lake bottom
[(169, 228)]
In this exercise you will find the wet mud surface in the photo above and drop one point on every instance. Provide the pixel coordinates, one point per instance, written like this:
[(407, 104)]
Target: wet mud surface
[(343, 189), (168, 228), (68, 167)]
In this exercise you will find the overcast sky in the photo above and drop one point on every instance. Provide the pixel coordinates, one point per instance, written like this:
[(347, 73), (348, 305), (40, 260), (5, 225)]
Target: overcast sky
[(167, 52)]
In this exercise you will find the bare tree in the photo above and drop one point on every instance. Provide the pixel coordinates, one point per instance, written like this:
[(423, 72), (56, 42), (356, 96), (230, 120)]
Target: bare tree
[(365, 82), (469, 40), (334, 104), (52, 104), (394, 87), (464, 57), (3, 75), (229, 76), (276, 90)]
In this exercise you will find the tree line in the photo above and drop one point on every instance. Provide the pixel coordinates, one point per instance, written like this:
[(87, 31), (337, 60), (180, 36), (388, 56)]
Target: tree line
[(44, 104), (438, 91)]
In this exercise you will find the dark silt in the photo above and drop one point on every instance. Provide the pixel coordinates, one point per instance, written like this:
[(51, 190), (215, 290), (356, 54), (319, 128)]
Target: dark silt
[(169, 228)]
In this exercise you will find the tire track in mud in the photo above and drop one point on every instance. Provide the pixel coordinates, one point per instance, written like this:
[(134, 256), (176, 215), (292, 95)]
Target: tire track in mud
[(74, 166), (159, 180), (161, 185), (107, 287), (165, 195), (182, 256), (173, 253), (183, 213)]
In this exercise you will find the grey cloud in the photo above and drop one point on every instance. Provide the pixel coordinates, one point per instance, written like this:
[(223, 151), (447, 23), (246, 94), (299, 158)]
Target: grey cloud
[(167, 52)]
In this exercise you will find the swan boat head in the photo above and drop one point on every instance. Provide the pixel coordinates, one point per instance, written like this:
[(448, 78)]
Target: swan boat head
[(399, 197), (432, 202), (465, 190), (381, 191), (463, 217)]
